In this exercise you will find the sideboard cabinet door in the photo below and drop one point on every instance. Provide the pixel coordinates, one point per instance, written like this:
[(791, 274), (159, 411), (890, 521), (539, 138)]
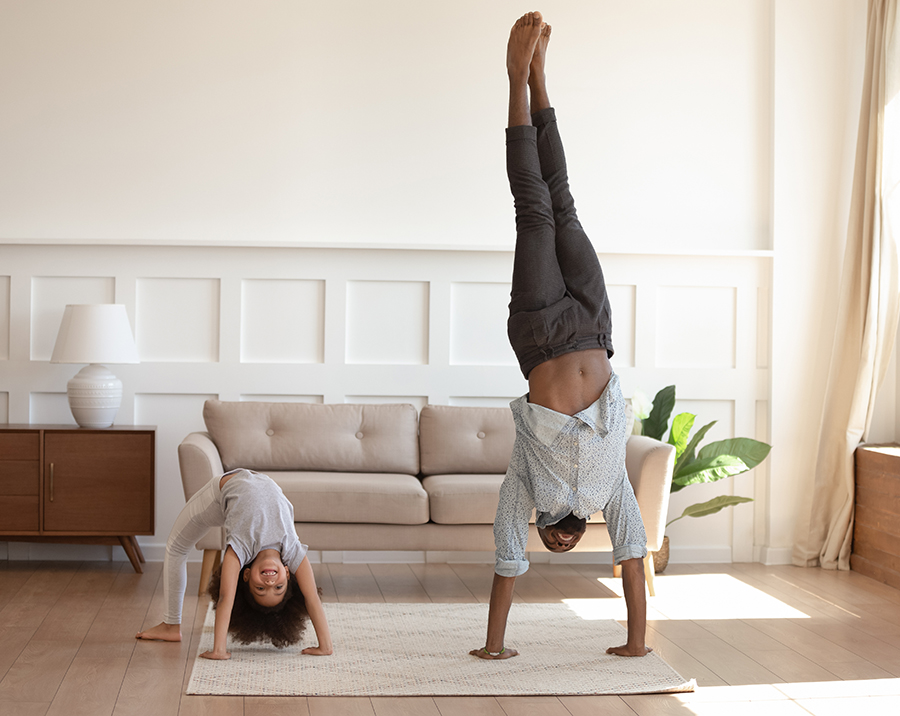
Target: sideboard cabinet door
[(100, 483)]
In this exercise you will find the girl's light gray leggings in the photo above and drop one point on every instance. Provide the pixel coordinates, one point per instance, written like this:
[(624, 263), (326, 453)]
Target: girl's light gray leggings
[(203, 511)]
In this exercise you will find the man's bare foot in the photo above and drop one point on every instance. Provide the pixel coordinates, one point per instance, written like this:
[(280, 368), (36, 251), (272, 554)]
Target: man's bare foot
[(537, 80), (161, 632), (483, 653), (626, 650), (522, 40)]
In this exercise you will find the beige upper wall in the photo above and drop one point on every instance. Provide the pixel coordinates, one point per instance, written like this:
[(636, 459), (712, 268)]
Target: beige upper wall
[(343, 123)]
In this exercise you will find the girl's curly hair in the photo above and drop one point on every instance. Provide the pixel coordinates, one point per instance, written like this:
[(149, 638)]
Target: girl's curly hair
[(282, 624)]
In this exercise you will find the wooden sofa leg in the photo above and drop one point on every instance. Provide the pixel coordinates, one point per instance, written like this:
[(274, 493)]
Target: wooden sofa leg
[(617, 571), (210, 562), (649, 573)]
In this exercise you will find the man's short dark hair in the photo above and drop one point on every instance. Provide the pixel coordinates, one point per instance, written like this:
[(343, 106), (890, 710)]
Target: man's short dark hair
[(570, 524)]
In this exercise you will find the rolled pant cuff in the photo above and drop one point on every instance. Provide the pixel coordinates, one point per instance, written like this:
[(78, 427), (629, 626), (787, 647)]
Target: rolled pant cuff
[(543, 116), (522, 131)]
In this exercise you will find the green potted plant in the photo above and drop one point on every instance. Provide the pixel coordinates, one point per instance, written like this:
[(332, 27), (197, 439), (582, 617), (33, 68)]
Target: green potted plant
[(711, 463)]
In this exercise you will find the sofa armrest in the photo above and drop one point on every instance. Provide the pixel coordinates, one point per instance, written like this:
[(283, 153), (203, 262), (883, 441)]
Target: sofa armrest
[(649, 464), (199, 460)]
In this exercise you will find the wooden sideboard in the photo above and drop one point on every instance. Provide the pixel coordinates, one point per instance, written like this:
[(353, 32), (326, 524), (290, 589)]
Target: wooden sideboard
[(876, 527), (79, 485)]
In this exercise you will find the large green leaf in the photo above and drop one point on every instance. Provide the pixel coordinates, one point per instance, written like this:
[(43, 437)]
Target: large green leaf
[(681, 429), (752, 452), (708, 469), (655, 424), (687, 456), (701, 509)]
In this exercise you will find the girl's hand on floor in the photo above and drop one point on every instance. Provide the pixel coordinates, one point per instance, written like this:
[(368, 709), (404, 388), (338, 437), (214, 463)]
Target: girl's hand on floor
[(317, 651), (213, 655)]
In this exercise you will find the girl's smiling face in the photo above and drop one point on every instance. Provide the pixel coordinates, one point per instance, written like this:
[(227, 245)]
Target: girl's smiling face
[(267, 578)]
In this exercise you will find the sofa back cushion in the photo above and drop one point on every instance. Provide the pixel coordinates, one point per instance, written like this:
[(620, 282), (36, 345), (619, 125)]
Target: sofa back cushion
[(457, 440), (305, 436)]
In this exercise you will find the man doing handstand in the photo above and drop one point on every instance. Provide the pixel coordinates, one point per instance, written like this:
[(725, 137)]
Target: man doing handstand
[(569, 456)]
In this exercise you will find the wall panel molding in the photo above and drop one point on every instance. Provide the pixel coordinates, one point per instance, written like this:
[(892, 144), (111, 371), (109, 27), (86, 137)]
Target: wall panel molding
[(190, 308)]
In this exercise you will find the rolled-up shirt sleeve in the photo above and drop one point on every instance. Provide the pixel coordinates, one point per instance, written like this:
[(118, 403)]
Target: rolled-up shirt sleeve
[(624, 523), (511, 526)]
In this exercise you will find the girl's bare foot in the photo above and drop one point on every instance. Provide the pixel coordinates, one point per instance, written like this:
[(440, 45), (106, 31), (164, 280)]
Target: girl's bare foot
[(522, 39), (161, 632)]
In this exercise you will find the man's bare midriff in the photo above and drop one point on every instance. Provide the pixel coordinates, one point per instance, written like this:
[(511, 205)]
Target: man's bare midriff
[(571, 382)]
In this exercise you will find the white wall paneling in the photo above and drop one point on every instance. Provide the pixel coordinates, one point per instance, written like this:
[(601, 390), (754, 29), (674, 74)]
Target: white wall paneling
[(272, 398), (440, 302), (174, 415), (282, 321), (4, 317), (478, 316), (53, 408), (177, 319), (387, 322)]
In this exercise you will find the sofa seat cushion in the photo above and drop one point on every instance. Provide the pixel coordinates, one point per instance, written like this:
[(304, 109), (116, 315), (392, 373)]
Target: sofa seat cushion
[(463, 499), (382, 498)]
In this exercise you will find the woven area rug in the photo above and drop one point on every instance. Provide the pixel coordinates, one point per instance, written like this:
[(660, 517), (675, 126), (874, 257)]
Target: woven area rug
[(422, 650)]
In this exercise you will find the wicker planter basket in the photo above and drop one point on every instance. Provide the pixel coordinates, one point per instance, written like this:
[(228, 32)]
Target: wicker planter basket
[(661, 558)]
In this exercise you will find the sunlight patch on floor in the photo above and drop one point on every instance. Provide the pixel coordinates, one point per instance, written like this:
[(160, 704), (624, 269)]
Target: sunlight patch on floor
[(708, 596), (820, 698)]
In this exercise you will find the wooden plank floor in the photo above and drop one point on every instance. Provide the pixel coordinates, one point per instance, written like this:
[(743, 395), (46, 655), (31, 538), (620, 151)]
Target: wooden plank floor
[(759, 640)]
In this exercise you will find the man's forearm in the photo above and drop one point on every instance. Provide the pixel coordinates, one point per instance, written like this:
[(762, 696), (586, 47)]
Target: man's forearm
[(501, 600), (635, 601)]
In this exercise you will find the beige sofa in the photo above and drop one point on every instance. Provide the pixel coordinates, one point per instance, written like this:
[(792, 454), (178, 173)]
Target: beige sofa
[(381, 477)]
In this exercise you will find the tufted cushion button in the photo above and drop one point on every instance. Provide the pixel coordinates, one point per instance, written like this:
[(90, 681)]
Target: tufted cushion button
[(359, 435), (480, 435), (270, 432)]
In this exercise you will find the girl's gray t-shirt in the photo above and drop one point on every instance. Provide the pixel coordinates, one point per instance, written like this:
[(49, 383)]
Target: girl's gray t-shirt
[(258, 516)]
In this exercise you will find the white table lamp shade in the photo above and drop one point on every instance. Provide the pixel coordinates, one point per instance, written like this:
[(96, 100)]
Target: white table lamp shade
[(94, 334)]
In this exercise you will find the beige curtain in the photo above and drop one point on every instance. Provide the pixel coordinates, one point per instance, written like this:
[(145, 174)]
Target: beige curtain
[(869, 300)]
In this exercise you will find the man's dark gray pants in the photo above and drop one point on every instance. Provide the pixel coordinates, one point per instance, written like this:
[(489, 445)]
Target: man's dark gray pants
[(558, 302)]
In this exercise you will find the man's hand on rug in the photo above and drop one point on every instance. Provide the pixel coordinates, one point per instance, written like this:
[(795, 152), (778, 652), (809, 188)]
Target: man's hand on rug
[(483, 653), (317, 651), (629, 651), (216, 655)]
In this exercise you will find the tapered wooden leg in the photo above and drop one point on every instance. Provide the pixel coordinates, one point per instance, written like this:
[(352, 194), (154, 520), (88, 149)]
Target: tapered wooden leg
[(649, 573), (210, 562), (128, 546), (137, 548), (617, 571)]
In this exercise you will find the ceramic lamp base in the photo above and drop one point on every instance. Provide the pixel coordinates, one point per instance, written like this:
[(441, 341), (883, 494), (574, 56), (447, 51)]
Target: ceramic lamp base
[(95, 395)]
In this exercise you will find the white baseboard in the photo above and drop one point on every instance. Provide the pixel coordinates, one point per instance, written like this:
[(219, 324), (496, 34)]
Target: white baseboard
[(699, 555), (155, 552), (774, 555)]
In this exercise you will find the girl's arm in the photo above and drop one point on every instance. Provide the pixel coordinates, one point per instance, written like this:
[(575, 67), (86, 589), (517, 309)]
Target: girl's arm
[(231, 568), (307, 581)]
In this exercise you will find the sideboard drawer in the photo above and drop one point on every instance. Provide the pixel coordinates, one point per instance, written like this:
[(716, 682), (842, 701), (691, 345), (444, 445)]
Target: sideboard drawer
[(20, 446), (19, 513), (20, 477)]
